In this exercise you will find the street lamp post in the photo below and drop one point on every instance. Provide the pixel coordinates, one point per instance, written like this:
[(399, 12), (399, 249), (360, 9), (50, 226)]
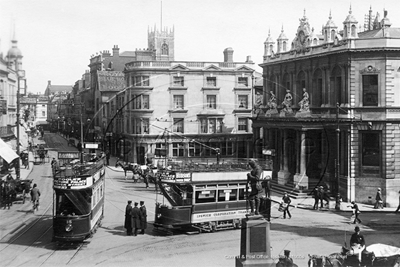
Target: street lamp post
[(20, 74), (337, 163)]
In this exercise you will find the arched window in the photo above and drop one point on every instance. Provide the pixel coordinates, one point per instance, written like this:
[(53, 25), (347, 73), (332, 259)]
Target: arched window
[(301, 83), (284, 47), (333, 35), (316, 90), (336, 88), (345, 31), (353, 30), (315, 41), (164, 49)]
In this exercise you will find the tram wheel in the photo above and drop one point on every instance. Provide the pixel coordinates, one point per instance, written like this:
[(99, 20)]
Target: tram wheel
[(213, 227)]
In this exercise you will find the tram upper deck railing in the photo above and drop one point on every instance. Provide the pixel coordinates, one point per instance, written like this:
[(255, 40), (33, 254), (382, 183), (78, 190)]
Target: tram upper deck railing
[(77, 169), (222, 166)]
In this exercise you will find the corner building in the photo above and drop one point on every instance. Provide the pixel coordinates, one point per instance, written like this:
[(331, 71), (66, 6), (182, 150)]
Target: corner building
[(182, 111), (347, 137)]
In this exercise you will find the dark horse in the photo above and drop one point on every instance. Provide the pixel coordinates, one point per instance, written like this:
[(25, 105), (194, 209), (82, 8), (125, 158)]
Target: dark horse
[(126, 166), (8, 193)]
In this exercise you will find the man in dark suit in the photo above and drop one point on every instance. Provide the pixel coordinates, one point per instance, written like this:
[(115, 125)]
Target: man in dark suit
[(135, 218), (128, 218), (143, 217)]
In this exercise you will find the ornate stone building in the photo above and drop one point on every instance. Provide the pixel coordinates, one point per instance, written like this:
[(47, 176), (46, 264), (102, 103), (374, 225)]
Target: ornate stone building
[(331, 108), (181, 110)]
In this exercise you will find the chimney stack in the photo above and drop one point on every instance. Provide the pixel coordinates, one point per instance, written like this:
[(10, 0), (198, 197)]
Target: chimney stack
[(115, 51), (228, 54)]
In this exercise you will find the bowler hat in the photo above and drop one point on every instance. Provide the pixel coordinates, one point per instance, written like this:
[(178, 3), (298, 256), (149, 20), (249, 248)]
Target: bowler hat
[(357, 229), (129, 201), (141, 202)]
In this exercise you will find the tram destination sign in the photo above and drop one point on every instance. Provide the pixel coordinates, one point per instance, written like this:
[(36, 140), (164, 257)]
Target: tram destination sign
[(70, 183), (68, 155), (176, 176)]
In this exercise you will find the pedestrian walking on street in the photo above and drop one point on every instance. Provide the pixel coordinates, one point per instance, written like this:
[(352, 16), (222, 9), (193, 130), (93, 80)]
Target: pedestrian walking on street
[(135, 218), (398, 207), (143, 217), (316, 195), (321, 196), (35, 195), (338, 201), (128, 218), (286, 199), (108, 157), (54, 166), (379, 200), (356, 211)]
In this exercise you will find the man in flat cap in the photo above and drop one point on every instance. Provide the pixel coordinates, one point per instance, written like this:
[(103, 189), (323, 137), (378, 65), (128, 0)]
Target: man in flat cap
[(128, 218), (143, 217), (135, 218)]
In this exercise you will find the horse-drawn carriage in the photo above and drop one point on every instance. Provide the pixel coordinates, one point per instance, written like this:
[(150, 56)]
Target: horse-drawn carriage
[(12, 190), (41, 156), (140, 173), (374, 255)]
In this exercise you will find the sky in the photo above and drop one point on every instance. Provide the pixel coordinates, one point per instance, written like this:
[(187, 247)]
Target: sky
[(57, 37)]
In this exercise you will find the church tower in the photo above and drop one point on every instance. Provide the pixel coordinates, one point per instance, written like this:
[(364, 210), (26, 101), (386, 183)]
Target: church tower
[(161, 43)]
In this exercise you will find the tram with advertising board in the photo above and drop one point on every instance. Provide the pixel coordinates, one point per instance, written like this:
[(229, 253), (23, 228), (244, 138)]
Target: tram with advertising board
[(78, 196), (207, 199)]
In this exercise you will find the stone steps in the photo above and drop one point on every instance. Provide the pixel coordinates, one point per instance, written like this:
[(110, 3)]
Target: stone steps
[(291, 190)]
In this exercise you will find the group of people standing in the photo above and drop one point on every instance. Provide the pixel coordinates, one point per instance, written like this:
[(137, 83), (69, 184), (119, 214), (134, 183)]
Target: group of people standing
[(135, 218), (319, 196)]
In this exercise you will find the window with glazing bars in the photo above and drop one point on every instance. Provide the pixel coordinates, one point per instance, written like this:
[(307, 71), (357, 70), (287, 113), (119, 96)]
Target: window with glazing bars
[(178, 102), (178, 81), (211, 101)]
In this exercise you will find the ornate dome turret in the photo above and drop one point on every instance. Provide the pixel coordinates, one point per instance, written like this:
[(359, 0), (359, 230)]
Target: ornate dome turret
[(14, 51), (350, 30), (313, 38), (350, 17), (269, 45), (282, 42), (330, 22), (329, 30), (385, 22)]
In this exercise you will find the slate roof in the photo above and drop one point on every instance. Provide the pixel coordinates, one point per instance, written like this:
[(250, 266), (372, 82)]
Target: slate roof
[(378, 33)]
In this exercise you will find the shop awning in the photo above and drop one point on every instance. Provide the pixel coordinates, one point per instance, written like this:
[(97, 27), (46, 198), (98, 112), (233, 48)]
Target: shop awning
[(6, 152)]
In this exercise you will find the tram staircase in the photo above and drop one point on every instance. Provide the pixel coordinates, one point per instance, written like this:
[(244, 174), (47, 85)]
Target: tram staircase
[(291, 189)]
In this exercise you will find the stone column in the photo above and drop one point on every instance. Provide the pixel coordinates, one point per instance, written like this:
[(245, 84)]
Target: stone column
[(283, 174), (301, 179)]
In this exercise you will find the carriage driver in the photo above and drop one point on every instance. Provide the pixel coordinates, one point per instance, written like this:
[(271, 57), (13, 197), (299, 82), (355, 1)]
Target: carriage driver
[(253, 178), (357, 242)]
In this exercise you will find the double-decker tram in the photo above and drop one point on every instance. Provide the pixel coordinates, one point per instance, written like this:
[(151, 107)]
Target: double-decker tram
[(78, 197), (208, 200)]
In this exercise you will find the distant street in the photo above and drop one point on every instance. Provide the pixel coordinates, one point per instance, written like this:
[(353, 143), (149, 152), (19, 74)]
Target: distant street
[(26, 237)]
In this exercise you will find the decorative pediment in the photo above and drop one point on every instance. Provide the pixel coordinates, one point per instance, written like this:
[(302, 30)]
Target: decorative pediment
[(212, 68), (243, 68), (179, 67), (370, 70)]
